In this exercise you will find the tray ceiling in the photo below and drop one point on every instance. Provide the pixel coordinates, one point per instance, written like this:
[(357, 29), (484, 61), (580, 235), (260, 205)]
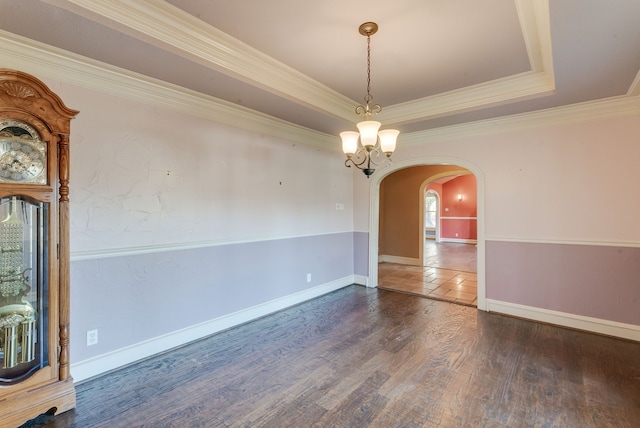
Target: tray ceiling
[(433, 63)]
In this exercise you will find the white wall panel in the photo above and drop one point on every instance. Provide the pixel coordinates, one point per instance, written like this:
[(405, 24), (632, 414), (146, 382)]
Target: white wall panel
[(571, 182), (144, 176)]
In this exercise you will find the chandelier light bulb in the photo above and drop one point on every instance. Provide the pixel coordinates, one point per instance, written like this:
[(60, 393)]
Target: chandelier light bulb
[(368, 132), (388, 139), (349, 142)]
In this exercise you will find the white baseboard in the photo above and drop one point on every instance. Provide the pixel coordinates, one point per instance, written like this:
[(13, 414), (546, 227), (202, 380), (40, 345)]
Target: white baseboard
[(400, 260), (579, 322), (361, 280), (459, 241), (92, 367)]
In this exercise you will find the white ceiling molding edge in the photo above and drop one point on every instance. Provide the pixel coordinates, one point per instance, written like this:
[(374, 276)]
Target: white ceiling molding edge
[(509, 89), (634, 89), (619, 106), (45, 61), (189, 37), (536, 30), (165, 25)]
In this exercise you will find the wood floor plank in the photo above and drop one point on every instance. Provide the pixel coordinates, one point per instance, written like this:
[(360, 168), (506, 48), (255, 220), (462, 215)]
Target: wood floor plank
[(364, 357), (360, 407)]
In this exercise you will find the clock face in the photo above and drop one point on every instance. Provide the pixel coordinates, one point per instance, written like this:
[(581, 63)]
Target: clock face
[(22, 154), (20, 162)]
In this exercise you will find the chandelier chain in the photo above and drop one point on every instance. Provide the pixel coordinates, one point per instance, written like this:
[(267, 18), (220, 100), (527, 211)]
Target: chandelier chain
[(368, 98), (367, 110)]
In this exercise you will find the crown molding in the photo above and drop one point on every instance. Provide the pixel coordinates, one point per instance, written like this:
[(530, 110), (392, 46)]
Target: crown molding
[(536, 31), (161, 23), (619, 106), (634, 89), (50, 62), (509, 89)]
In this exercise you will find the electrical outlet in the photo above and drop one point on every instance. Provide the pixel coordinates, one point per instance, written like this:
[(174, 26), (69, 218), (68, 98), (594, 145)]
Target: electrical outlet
[(92, 337), (308, 277)]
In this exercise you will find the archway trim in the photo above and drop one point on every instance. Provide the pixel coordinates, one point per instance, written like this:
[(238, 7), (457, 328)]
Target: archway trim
[(374, 215)]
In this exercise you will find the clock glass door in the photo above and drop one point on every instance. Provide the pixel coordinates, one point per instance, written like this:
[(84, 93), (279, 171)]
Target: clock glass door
[(23, 284)]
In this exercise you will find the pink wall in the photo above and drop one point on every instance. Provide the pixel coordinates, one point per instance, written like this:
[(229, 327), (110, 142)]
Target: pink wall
[(463, 226), (458, 229), (437, 187)]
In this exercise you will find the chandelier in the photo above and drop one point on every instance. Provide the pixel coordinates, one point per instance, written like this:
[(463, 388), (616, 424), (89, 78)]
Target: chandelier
[(373, 143)]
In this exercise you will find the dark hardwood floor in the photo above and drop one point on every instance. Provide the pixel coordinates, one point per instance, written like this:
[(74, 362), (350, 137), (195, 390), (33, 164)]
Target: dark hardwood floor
[(364, 357)]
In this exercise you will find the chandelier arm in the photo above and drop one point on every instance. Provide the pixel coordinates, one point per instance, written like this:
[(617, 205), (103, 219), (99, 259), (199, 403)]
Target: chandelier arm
[(358, 165), (362, 156), (378, 156), (358, 159)]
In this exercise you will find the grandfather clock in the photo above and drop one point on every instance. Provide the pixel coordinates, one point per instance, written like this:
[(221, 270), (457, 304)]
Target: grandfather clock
[(34, 250)]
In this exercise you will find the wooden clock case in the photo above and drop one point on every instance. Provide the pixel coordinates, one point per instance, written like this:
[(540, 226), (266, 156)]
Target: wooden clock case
[(26, 99)]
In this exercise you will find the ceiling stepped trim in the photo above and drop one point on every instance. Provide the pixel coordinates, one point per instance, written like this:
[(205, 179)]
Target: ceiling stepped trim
[(539, 81), (619, 106), (524, 86), (164, 25), (161, 23), (536, 30), (634, 89), (49, 62)]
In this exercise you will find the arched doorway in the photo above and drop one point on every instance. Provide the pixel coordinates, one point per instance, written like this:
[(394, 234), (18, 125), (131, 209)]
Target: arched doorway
[(374, 218)]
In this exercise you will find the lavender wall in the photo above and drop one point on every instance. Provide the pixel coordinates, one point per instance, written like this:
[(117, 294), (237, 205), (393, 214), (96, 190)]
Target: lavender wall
[(590, 280), (361, 253), (134, 298)]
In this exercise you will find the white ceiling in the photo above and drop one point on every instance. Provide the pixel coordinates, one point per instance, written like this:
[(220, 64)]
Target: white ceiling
[(433, 62)]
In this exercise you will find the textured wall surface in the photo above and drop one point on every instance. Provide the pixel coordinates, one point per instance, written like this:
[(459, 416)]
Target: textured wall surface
[(176, 221)]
